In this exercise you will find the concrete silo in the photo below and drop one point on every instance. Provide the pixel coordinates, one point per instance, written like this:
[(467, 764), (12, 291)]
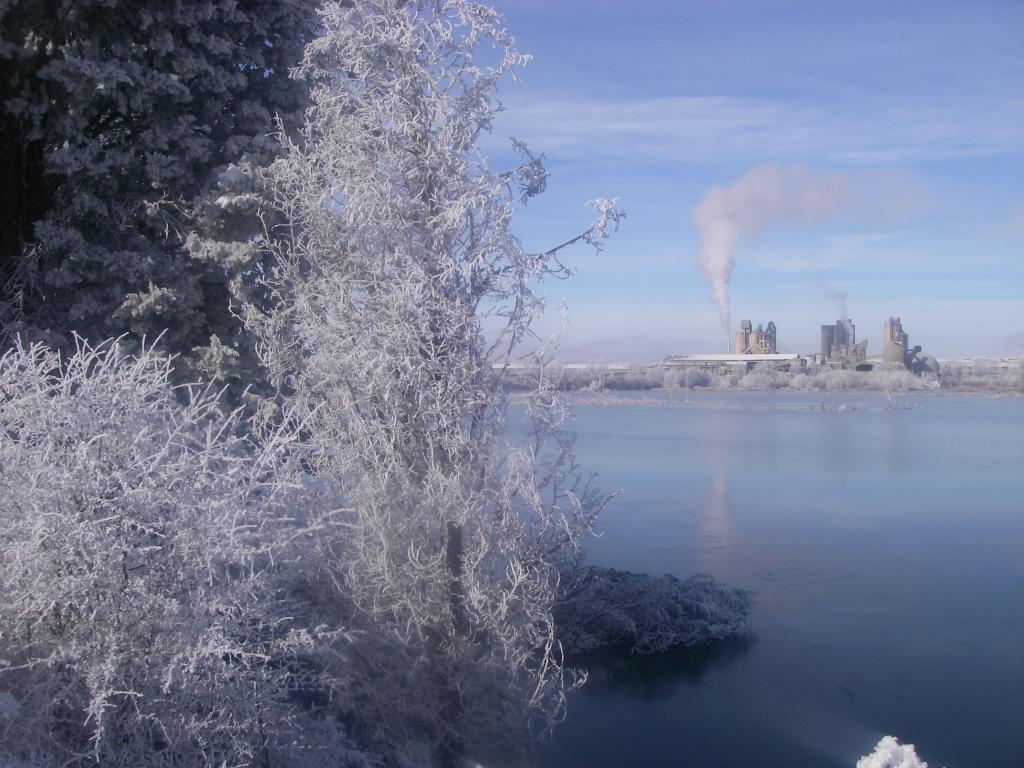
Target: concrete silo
[(828, 336), (896, 341)]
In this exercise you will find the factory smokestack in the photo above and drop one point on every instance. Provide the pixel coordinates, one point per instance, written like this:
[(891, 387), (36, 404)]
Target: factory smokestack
[(762, 196)]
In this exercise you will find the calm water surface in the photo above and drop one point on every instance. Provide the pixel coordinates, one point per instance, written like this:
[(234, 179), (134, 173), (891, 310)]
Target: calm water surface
[(886, 551)]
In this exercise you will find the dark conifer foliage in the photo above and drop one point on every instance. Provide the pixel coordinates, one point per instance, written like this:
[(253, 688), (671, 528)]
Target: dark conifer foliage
[(127, 128)]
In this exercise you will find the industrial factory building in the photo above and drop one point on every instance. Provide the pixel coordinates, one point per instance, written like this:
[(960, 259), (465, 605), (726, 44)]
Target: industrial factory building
[(897, 350), (753, 346), (731, 363), (756, 342), (839, 349)]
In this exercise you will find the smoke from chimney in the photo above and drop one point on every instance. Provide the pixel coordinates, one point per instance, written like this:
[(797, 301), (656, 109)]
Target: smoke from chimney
[(840, 298), (762, 196)]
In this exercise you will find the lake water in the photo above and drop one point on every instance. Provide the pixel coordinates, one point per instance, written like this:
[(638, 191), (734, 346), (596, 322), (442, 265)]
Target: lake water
[(886, 550)]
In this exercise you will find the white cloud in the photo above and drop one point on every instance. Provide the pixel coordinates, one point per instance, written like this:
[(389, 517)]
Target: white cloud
[(708, 128)]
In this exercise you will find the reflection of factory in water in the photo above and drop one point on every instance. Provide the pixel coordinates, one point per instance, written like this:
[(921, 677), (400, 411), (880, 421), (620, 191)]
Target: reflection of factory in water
[(839, 349)]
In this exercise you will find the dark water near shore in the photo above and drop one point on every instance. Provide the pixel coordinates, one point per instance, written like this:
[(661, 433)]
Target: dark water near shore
[(886, 551)]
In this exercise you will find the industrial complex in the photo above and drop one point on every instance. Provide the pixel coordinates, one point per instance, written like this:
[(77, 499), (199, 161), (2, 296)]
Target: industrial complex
[(839, 349)]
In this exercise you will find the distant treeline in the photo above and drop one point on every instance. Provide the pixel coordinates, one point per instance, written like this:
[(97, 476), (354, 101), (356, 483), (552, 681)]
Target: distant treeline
[(988, 375)]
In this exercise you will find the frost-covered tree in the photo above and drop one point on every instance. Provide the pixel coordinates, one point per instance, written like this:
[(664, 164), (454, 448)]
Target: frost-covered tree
[(149, 561), (395, 252), (126, 127)]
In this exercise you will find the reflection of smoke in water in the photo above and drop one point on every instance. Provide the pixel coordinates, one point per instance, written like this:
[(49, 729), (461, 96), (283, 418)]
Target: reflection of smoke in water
[(715, 513)]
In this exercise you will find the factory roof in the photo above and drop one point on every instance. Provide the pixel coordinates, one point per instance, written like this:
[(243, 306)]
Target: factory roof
[(732, 358)]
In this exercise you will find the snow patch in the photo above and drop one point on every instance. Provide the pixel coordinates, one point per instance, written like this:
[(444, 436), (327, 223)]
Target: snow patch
[(889, 753)]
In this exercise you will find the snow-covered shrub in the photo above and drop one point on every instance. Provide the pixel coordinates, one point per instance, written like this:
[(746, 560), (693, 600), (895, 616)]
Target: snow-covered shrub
[(887, 380), (685, 378), (994, 375), (801, 381), (566, 379), (725, 381), (895, 380), (635, 377), (146, 547), (840, 378), (763, 376), (645, 614)]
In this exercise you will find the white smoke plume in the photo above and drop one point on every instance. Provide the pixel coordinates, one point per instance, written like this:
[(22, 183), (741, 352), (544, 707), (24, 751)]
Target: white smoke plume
[(763, 195), (889, 753), (1014, 345), (840, 298)]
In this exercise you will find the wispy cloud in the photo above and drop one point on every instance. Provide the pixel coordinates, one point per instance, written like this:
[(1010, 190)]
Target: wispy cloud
[(835, 251), (1015, 223), (700, 129)]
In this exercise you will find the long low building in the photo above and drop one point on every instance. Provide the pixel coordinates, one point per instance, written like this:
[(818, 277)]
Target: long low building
[(782, 359)]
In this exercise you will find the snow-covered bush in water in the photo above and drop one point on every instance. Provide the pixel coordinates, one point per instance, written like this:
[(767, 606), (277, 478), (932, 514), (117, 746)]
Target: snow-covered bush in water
[(646, 614), (394, 247), (144, 572)]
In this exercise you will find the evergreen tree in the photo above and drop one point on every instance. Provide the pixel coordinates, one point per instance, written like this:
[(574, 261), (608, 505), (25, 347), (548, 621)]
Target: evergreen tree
[(126, 128)]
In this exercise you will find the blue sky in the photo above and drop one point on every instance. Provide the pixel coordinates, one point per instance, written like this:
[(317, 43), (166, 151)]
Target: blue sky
[(915, 110)]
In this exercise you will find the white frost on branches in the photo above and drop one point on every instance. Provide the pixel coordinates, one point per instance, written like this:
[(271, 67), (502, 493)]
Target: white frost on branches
[(647, 614), (393, 246), (143, 572), (364, 561)]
